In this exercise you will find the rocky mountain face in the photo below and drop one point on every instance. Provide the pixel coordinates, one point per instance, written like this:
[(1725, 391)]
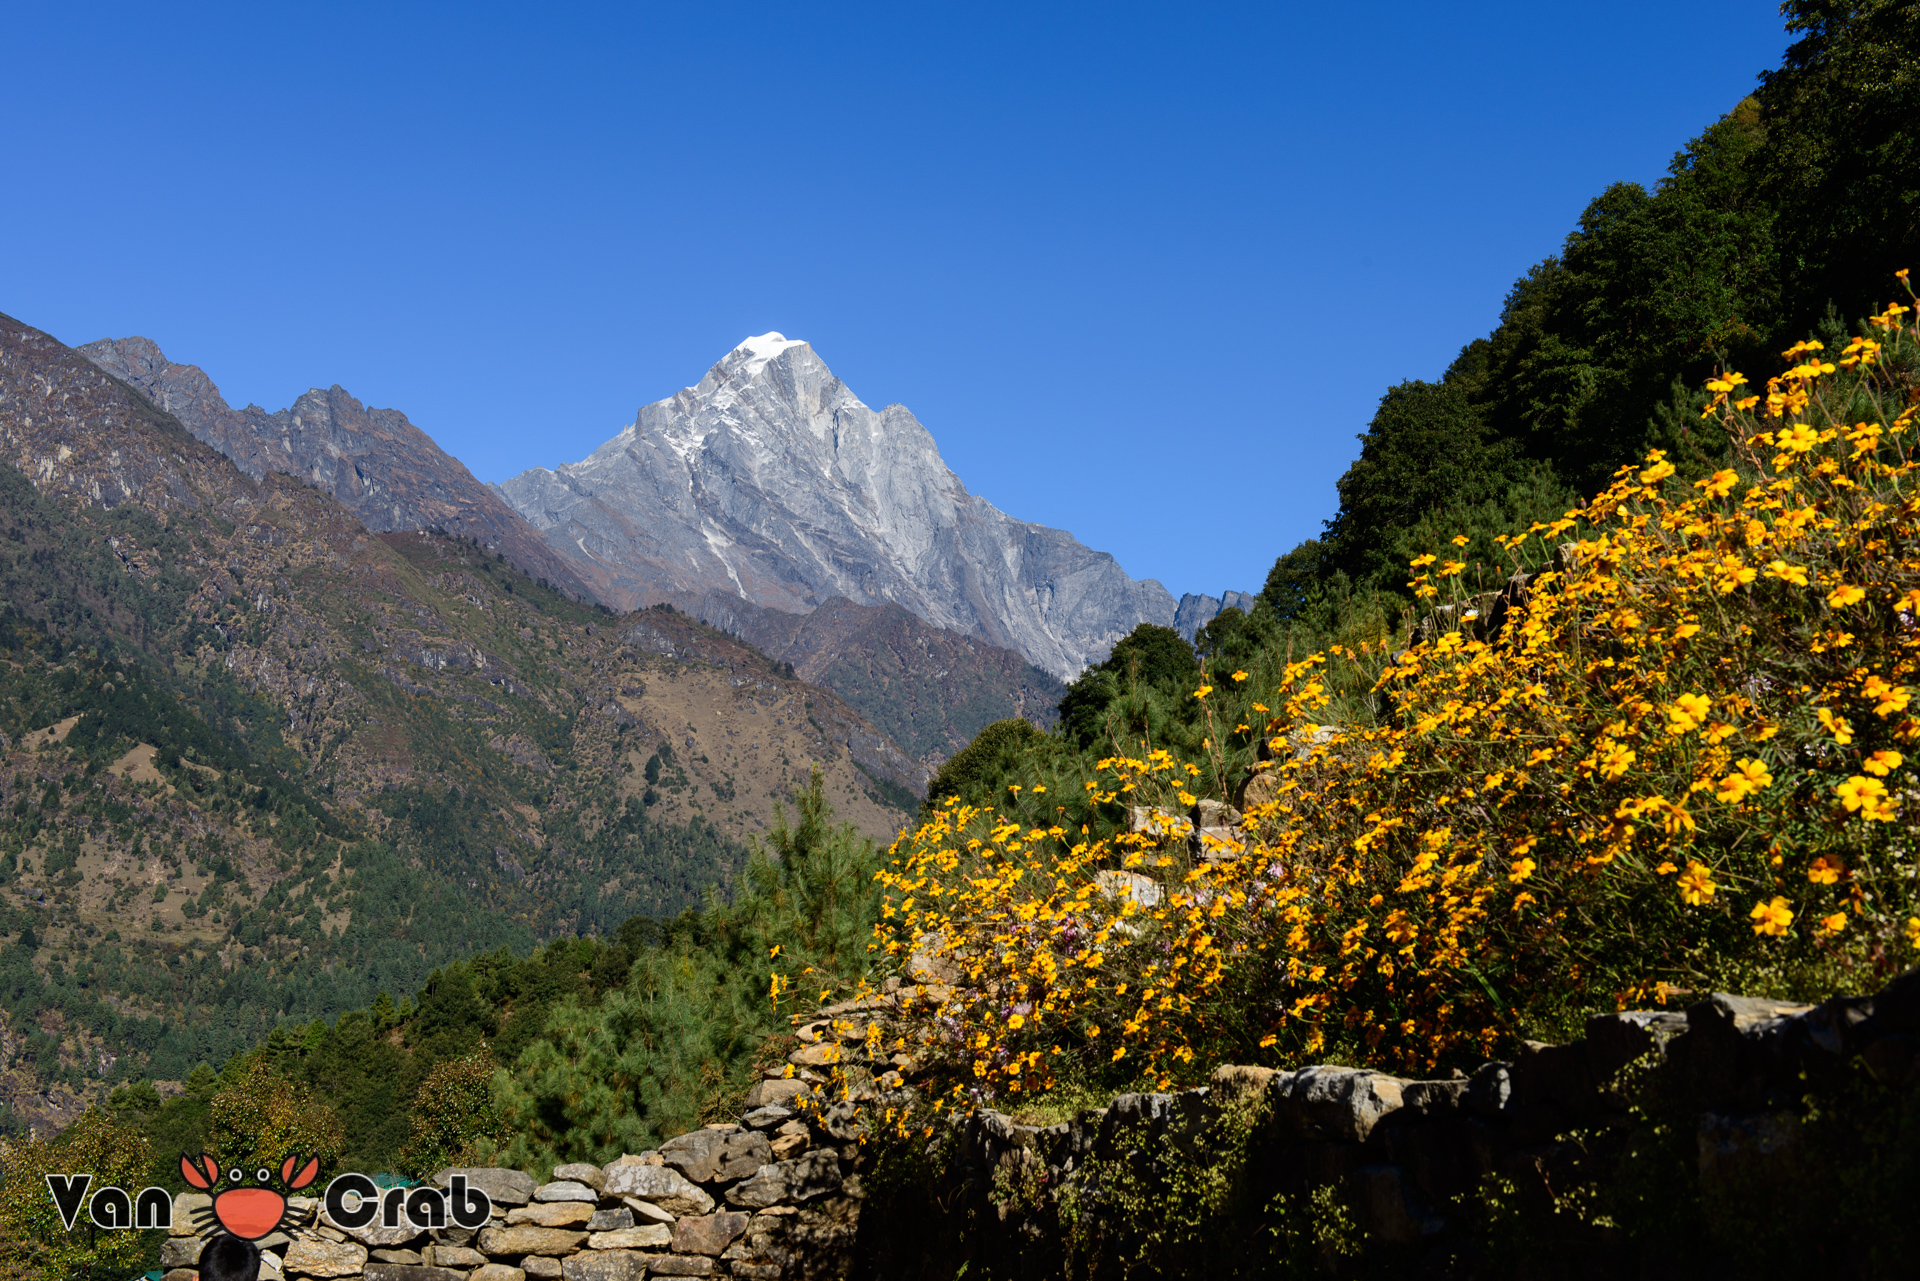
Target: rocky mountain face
[(931, 689), (258, 762), (379, 466), (770, 481), (1195, 612)]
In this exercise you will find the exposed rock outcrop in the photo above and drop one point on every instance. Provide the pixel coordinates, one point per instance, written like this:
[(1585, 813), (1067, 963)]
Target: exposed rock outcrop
[(769, 480)]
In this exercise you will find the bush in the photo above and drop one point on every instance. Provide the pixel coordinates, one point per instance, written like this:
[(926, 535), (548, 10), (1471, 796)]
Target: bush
[(31, 1233), (1674, 761)]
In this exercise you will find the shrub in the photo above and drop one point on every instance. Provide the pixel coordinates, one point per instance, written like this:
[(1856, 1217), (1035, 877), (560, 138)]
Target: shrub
[(1675, 758)]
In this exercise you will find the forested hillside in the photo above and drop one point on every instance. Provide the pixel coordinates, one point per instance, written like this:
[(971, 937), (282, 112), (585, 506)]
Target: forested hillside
[(261, 765)]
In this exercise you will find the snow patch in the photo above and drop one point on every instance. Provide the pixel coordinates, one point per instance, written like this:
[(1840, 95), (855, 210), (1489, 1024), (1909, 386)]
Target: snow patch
[(762, 349)]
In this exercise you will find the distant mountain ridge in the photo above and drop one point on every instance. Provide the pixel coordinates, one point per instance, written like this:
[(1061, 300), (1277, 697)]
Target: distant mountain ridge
[(1196, 611), (378, 465), (929, 688), (770, 481)]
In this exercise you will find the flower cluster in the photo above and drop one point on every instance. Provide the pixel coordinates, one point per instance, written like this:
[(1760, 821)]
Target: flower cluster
[(1684, 743)]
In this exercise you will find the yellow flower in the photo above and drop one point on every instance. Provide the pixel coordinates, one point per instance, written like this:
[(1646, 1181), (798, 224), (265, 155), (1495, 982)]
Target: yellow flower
[(1419, 561), (1887, 698), (1838, 726), (1448, 568), (1522, 869), (1883, 763), (1793, 574), (1801, 439), (1696, 884), (1016, 1022), (1824, 871), (1666, 868), (1688, 713), (1731, 574), (1203, 691), (1835, 923), (1267, 1041), (1720, 484), (1772, 918), (1239, 676), (1656, 473), (1844, 595), (1866, 795), (1913, 931), (1750, 777)]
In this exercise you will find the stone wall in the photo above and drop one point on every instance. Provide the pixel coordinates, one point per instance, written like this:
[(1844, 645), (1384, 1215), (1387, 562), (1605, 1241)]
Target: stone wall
[(1516, 1169)]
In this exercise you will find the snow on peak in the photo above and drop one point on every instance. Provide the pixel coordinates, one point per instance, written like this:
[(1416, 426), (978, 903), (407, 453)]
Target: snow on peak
[(765, 347)]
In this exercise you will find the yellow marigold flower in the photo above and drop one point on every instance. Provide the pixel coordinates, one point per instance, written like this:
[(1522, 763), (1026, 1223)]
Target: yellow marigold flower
[(1786, 573), (1448, 568), (1421, 561), (1461, 540), (1887, 698), (1845, 594), (1720, 484), (1913, 931), (1239, 676), (1749, 777), (1267, 1042), (1731, 574), (1615, 760), (1521, 899), (1656, 473), (1522, 869), (1666, 868), (1835, 923), (1825, 871), (1696, 884), (1016, 1022), (1203, 691), (1838, 726), (1883, 763), (1868, 796), (1772, 918), (1800, 439), (1688, 713)]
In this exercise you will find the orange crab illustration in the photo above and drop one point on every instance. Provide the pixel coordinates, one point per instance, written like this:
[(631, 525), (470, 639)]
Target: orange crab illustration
[(257, 1209)]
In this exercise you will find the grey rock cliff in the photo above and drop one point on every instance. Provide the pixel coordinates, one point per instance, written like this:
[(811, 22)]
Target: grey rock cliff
[(1195, 612), (379, 466), (771, 481)]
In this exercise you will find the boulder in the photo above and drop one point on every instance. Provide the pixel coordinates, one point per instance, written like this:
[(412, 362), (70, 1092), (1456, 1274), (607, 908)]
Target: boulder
[(496, 1272), (651, 1236), (695, 1155), (506, 1187), (455, 1256), (767, 1118), (659, 1184), (185, 1206), (181, 1252), (325, 1258), (647, 1211), (679, 1265), (742, 1156), (610, 1220), (1232, 1082), (541, 1266), (374, 1235), (708, 1233), (789, 1182), (1340, 1105), (1142, 891), (525, 1238)]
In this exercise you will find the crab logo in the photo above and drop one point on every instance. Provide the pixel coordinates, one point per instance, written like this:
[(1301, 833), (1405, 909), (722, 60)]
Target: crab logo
[(253, 1211)]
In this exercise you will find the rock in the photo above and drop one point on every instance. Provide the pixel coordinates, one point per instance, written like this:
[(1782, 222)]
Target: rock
[(410, 1272), (581, 1172), (608, 1265), (1161, 824), (553, 1214), (649, 1157), (1489, 1090), (679, 1265), (525, 1238), (566, 1190), (1333, 1103), (455, 1256), (181, 1274), (1615, 1040), (753, 1270), (374, 1234), (610, 1220), (312, 1258), (1232, 1082), (789, 1182), (496, 1272), (819, 1054), (652, 1236), (742, 1156), (767, 1118), (648, 1211), (395, 1256), (662, 1185), (708, 1233), (185, 1206), (181, 1252), (1144, 891), (695, 1155), (506, 1187), (541, 1266), (787, 1146), (269, 1267), (1259, 788), (1387, 1211), (776, 1093)]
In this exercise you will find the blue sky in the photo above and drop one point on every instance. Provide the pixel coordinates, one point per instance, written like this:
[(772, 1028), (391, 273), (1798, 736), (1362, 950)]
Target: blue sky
[(1143, 270)]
